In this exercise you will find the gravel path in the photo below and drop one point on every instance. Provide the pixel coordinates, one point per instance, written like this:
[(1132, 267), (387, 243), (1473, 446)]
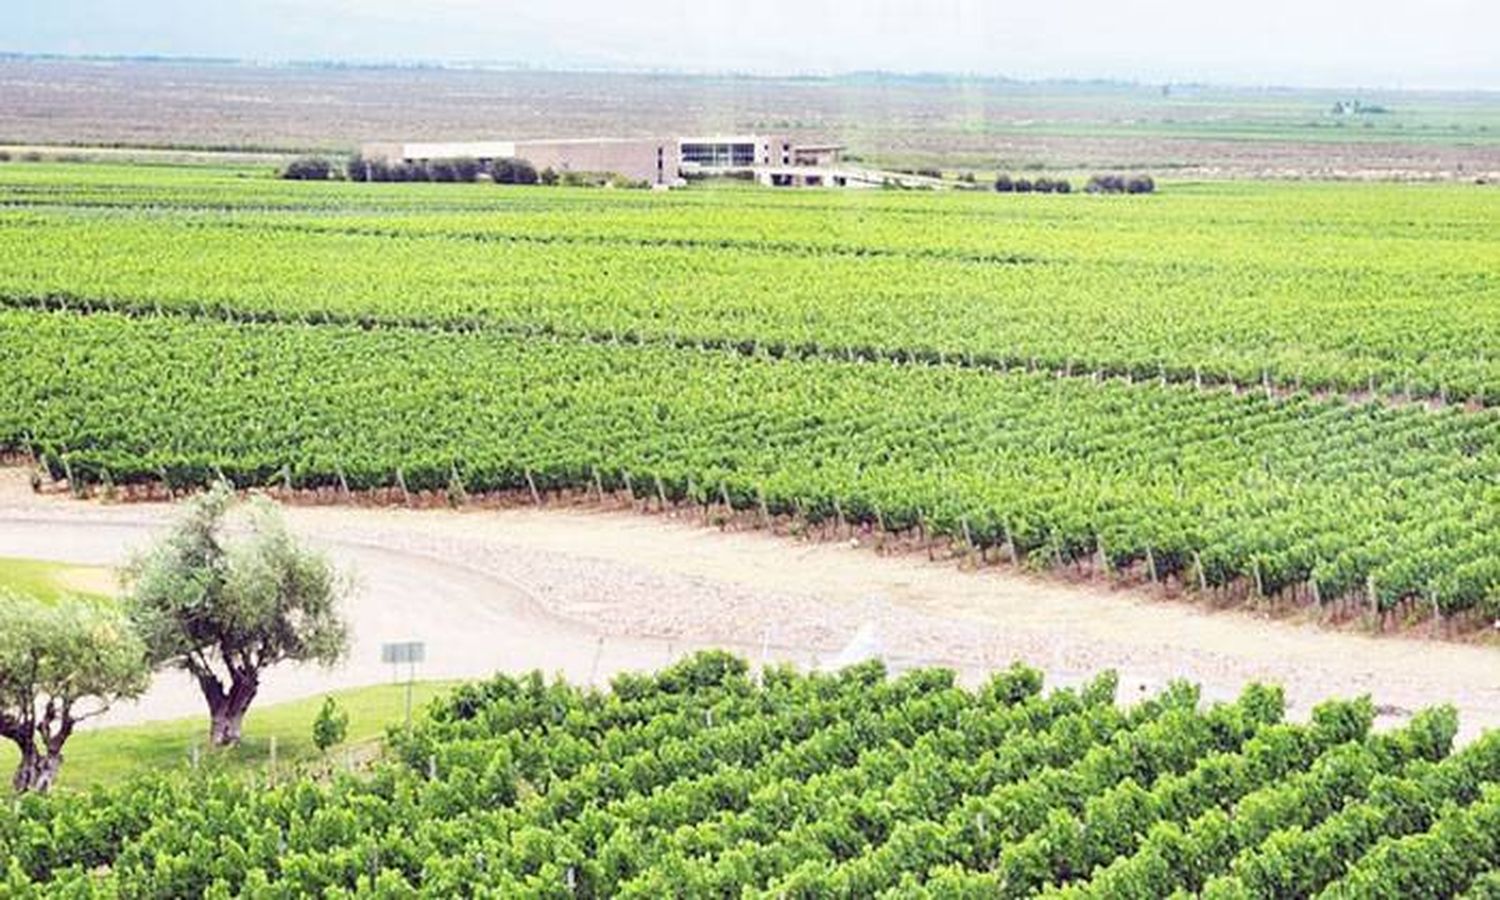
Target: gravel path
[(589, 593)]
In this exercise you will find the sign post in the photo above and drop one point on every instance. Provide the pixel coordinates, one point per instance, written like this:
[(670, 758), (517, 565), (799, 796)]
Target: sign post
[(410, 653)]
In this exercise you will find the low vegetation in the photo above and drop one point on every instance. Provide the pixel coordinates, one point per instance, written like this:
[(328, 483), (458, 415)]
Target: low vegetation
[(113, 755), (1121, 184), (707, 779), (463, 170), (1005, 184)]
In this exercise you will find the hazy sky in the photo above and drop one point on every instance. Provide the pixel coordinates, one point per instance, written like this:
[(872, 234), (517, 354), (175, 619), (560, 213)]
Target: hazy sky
[(1401, 43)]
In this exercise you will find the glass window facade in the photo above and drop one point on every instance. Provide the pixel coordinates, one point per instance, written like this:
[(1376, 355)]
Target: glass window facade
[(719, 155)]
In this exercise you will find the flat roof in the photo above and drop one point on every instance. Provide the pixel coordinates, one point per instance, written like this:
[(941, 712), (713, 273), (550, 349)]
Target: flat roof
[(595, 140), (725, 139)]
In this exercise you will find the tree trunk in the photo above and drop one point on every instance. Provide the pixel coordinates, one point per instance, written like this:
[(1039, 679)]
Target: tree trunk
[(225, 727), (36, 772), (227, 710)]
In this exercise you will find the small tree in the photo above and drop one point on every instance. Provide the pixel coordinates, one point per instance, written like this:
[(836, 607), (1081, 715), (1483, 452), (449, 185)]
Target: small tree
[(467, 169), (509, 170), (225, 612), (61, 662), (442, 170), (331, 726)]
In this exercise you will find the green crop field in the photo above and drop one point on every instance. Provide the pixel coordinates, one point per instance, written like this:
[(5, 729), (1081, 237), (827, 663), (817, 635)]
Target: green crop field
[(705, 780), (1248, 389), (1276, 389)]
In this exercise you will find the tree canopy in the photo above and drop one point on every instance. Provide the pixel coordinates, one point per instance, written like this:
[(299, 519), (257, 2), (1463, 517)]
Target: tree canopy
[(61, 662)]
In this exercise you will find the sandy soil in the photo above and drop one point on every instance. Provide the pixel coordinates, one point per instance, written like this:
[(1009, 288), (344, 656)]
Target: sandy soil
[(589, 593)]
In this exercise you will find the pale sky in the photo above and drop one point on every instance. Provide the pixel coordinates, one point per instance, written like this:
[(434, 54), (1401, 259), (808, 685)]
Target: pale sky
[(1365, 43)]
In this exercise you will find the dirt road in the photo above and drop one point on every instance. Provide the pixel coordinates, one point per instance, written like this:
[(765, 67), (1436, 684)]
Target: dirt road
[(589, 593)]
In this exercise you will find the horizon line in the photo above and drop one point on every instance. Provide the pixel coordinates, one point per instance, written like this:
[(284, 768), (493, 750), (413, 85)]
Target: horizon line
[(912, 75)]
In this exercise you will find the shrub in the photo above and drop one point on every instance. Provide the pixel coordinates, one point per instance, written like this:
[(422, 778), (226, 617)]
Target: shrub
[(467, 168), (1003, 184), (4, 156), (1023, 185), (409, 172), (1119, 184), (308, 168), (361, 169), (513, 171), (548, 176), (331, 726)]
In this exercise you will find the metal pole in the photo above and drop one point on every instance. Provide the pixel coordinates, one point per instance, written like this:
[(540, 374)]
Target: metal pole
[(408, 703)]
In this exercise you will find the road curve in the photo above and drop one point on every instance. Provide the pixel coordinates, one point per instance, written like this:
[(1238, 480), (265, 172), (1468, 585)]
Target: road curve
[(473, 623), (588, 593)]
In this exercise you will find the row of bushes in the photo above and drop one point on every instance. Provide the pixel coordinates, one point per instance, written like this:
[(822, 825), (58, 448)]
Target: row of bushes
[(1120, 184), (1098, 184), (501, 171), (1006, 185), (459, 170)]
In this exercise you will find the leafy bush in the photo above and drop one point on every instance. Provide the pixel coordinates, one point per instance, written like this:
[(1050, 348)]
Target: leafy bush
[(1119, 184), (513, 171), (308, 168), (331, 726), (705, 779)]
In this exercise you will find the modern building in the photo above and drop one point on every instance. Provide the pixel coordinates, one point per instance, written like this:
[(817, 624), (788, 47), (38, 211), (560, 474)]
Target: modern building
[(652, 161), (772, 160)]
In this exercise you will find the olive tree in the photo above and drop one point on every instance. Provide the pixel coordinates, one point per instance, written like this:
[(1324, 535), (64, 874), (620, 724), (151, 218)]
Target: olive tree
[(61, 662), (226, 604)]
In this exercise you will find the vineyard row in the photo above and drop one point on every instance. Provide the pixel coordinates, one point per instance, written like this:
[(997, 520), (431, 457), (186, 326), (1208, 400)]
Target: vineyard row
[(1336, 500)]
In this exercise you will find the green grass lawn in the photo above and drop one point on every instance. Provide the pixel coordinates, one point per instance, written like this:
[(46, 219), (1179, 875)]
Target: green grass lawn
[(50, 580), (110, 755)]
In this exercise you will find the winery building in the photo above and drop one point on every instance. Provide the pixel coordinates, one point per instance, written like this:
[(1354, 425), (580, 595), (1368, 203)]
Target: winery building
[(665, 162)]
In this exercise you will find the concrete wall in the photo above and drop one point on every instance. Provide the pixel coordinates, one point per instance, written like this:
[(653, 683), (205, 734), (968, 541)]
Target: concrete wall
[(418, 152), (657, 161), (654, 161)]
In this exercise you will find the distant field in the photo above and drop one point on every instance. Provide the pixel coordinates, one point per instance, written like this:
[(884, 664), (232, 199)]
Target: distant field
[(951, 123), (1213, 386)]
